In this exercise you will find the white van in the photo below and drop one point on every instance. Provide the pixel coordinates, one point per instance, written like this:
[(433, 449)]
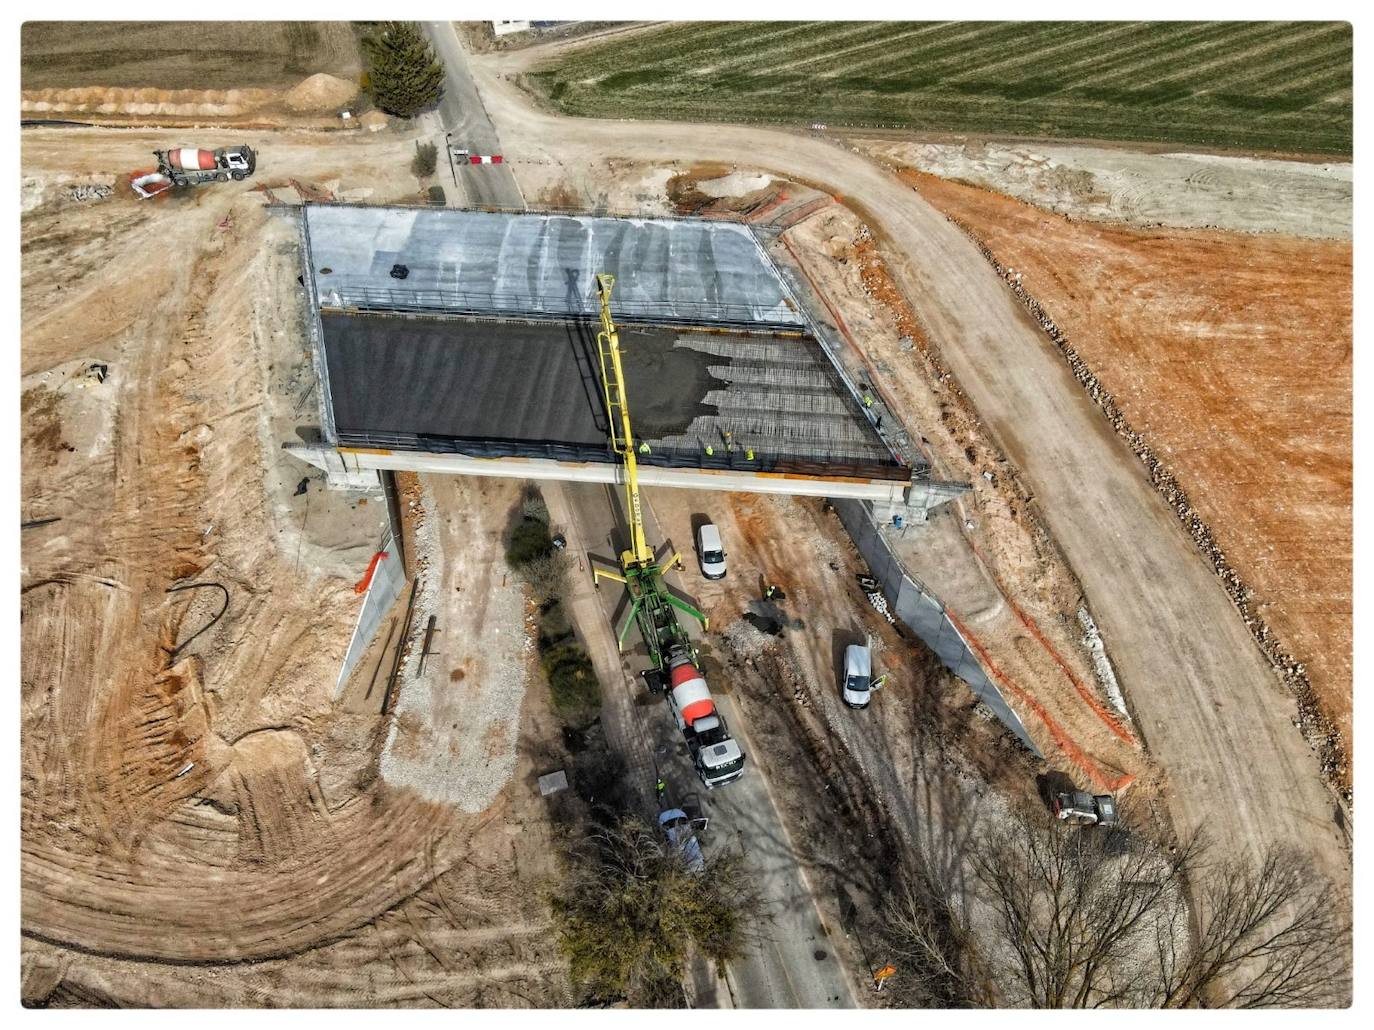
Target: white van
[(710, 554), (857, 689)]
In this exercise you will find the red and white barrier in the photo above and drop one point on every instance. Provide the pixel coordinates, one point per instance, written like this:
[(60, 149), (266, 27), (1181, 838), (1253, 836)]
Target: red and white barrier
[(484, 159)]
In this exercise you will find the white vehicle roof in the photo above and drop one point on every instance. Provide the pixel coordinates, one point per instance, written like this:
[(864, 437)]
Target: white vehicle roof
[(709, 536), (857, 661)]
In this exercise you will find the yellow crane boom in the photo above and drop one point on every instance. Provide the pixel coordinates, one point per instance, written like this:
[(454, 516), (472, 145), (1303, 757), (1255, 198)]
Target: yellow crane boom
[(618, 411), (651, 602)]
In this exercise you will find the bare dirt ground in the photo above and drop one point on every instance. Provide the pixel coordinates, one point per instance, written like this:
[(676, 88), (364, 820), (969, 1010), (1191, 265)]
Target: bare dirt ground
[(184, 55), (1185, 190), (1231, 355), (267, 73), (201, 824), (1207, 701)]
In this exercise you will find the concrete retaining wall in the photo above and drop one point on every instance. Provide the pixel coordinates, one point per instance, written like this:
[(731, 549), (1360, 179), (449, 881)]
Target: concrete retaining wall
[(922, 611), (387, 581)]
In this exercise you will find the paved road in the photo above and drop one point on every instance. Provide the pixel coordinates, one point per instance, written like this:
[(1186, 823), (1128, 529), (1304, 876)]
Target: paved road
[(784, 970), (1208, 704), (465, 119)]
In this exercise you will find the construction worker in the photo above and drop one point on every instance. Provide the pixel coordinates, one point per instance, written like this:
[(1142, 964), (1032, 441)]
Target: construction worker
[(729, 441), (868, 399), (770, 592), (644, 447), (749, 454), (660, 788), (710, 451), (877, 684)]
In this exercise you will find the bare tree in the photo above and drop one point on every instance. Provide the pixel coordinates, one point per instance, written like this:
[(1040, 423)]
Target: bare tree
[(1096, 917), (928, 940), (1072, 910), (1272, 935)]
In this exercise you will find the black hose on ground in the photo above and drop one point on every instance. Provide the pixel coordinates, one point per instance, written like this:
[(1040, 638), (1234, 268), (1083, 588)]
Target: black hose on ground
[(197, 586)]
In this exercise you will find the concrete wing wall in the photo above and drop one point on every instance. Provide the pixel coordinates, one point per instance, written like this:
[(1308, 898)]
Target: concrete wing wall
[(922, 611)]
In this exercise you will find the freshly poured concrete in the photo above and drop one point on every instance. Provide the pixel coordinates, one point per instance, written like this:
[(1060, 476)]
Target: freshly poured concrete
[(668, 270), (395, 380)]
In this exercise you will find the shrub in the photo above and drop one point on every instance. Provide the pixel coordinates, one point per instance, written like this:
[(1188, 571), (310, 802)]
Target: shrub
[(529, 541), (554, 626), (425, 161), (573, 685)]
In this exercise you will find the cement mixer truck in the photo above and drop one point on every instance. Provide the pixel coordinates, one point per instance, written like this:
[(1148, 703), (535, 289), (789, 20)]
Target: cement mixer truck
[(715, 754), (188, 167)]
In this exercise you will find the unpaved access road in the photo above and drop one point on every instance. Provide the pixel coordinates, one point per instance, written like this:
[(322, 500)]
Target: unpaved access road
[(1206, 701)]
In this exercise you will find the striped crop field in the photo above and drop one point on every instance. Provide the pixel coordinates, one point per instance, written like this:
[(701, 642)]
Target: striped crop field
[(1272, 86)]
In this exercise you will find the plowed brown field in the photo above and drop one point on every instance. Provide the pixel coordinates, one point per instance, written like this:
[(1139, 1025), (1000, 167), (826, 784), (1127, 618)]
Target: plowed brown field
[(1231, 355)]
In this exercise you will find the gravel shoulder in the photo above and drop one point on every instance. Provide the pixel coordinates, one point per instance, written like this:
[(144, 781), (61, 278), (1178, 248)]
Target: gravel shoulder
[(1184, 190)]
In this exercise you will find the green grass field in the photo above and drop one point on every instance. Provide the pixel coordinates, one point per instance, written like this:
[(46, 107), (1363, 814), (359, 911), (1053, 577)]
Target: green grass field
[(1273, 86)]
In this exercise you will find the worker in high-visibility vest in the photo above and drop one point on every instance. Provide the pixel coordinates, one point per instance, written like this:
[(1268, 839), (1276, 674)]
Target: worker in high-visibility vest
[(644, 447), (710, 451)]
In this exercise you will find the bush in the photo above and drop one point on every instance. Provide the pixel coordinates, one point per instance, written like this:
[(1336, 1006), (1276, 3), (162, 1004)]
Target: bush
[(554, 626), (573, 685), (532, 506), (404, 75), (425, 161), (529, 541), (629, 914), (546, 576)]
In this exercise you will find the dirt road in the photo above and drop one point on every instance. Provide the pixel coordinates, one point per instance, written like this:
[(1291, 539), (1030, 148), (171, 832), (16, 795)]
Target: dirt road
[(1206, 701)]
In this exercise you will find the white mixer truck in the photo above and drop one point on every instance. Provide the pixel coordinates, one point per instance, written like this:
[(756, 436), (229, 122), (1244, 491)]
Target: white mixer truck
[(188, 166), (715, 754)]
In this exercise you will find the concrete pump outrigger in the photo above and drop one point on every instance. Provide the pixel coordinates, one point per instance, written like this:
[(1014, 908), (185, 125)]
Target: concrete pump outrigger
[(716, 756)]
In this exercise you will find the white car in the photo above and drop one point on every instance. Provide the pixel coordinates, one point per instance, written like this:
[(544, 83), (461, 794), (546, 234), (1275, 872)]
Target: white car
[(710, 554), (857, 689)]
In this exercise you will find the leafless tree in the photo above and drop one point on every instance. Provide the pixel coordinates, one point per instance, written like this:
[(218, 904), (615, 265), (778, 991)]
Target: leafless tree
[(1271, 935), (547, 575), (929, 942), (1098, 917)]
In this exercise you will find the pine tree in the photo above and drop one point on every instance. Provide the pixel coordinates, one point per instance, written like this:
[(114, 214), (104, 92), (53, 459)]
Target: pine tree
[(403, 73)]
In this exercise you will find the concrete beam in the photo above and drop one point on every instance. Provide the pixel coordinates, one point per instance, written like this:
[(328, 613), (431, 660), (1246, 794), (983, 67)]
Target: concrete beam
[(363, 462)]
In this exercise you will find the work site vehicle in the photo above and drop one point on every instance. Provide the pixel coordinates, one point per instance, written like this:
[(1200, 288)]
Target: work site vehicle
[(185, 166), (1079, 808), (653, 607), (716, 756), (710, 552), (857, 688), (680, 830)]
